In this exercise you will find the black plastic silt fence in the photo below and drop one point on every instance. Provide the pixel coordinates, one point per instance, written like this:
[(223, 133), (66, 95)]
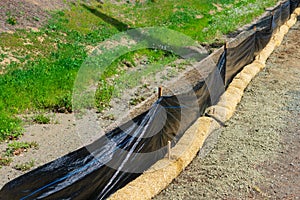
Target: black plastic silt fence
[(101, 168)]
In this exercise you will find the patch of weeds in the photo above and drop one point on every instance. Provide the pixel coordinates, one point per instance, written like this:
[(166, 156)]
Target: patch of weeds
[(154, 62), (183, 15), (180, 65), (64, 103), (82, 25), (172, 73), (41, 119), (10, 127), (25, 166), (136, 100), (12, 20), (5, 161), (2, 56), (103, 95), (16, 148), (109, 117), (36, 18)]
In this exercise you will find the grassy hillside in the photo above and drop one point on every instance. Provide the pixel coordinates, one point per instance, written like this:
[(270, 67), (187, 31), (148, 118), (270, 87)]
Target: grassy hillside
[(42, 65)]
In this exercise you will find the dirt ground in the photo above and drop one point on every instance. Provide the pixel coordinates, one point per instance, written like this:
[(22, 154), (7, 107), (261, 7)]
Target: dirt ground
[(32, 14), (257, 154), (28, 14)]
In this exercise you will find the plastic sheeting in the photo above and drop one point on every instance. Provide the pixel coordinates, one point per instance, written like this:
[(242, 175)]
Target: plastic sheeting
[(109, 163), (112, 160), (285, 11), (248, 44), (263, 33), (239, 55), (293, 5), (276, 18)]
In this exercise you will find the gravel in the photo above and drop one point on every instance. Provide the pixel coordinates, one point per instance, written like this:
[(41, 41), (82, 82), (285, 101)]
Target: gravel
[(256, 155)]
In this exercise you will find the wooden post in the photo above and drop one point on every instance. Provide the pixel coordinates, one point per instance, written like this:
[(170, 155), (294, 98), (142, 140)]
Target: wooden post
[(226, 46), (159, 91), (225, 64), (169, 150), (254, 28), (271, 24), (272, 13)]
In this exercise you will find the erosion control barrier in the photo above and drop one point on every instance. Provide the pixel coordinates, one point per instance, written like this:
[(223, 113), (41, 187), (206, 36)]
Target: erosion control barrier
[(126, 154), (157, 178)]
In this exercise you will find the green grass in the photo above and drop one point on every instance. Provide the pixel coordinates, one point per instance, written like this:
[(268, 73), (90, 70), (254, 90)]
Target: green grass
[(10, 127), (193, 18), (41, 119), (15, 148), (5, 161), (11, 19), (48, 60), (25, 166), (155, 62)]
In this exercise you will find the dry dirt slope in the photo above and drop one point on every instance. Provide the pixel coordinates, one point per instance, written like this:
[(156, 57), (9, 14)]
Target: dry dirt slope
[(257, 154), (28, 14)]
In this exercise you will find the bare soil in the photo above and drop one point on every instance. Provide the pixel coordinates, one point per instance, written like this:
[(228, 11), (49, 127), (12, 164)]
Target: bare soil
[(257, 154), (26, 14), (32, 14), (54, 140)]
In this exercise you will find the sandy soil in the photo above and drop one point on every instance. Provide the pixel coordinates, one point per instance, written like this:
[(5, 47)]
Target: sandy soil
[(257, 154), (54, 140)]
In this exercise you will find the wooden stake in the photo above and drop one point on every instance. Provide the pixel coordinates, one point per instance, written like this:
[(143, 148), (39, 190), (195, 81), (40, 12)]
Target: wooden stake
[(254, 28), (159, 91), (271, 24), (169, 150), (226, 46)]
